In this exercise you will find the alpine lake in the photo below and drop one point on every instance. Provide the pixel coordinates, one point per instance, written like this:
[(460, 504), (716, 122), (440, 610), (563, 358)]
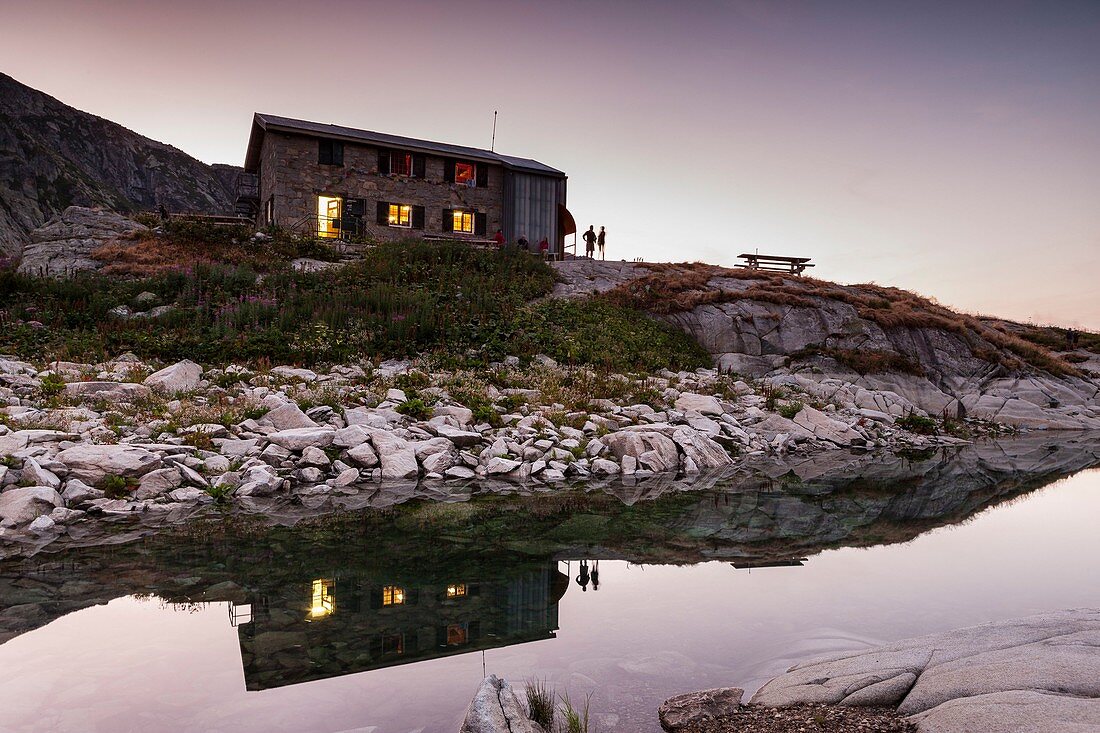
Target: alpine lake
[(385, 616)]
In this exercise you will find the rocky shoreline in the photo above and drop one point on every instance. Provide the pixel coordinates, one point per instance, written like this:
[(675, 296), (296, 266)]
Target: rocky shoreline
[(81, 442), (1038, 673)]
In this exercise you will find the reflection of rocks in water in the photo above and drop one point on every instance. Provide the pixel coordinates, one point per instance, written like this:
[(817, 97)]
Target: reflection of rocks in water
[(785, 511), (502, 549)]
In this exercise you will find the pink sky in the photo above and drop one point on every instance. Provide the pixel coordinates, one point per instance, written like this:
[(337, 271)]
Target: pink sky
[(948, 148)]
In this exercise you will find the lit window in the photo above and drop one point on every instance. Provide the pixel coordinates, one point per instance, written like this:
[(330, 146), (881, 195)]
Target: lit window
[(465, 172), (328, 216), (400, 215), (323, 599), (393, 596), (457, 590), (464, 221), (401, 164), (458, 634), (393, 644)]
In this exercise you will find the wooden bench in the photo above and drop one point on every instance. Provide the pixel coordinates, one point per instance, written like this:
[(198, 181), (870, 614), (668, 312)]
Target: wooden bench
[(775, 263)]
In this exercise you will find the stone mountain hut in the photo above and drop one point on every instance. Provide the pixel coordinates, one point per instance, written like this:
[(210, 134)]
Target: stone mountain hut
[(342, 183)]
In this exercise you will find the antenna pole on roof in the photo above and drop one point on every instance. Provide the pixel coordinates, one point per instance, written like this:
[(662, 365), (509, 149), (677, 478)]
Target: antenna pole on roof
[(493, 145)]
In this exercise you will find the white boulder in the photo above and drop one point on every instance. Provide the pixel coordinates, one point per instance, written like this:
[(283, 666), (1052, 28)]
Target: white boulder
[(91, 463), (21, 506), (183, 376)]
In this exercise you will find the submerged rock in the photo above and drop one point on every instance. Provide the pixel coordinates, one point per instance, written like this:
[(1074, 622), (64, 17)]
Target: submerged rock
[(695, 708)]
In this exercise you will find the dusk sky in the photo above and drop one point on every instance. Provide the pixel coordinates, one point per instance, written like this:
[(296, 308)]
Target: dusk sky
[(948, 148)]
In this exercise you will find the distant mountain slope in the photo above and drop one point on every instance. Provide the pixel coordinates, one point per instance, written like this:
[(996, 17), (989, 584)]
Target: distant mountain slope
[(52, 156)]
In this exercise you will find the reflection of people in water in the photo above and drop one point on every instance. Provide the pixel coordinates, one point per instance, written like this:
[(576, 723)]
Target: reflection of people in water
[(582, 579), (596, 575)]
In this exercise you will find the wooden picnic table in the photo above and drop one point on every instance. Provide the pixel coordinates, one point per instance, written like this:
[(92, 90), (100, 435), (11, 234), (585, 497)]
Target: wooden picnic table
[(775, 263)]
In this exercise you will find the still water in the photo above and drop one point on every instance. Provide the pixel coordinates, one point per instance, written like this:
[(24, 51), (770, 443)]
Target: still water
[(387, 621)]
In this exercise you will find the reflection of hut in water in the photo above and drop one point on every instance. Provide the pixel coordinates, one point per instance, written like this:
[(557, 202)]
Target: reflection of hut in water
[(348, 622)]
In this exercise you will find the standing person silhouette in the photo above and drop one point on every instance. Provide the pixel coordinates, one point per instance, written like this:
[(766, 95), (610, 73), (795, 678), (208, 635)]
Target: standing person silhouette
[(601, 240), (596, 575), (582, 579), (590, 241)]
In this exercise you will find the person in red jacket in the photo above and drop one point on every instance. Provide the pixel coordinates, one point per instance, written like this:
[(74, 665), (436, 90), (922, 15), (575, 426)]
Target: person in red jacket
[(499, 238)]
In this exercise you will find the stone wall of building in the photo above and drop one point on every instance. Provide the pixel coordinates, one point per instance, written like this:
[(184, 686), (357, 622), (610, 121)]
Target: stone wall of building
[(290, 172)]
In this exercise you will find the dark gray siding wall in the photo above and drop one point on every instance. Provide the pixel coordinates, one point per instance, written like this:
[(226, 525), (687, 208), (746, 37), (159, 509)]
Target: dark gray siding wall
[(531, 208)]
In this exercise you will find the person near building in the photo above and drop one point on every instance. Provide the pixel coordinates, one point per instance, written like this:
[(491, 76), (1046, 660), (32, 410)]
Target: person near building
[(590, 241)]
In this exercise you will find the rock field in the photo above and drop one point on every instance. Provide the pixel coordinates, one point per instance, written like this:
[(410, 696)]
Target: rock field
[(80, 441)]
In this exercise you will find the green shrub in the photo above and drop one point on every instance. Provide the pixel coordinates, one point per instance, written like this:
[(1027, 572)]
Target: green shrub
[(415, 408), (915, 423), (116, 487), (52, 385), (791, 409), (220, 492)]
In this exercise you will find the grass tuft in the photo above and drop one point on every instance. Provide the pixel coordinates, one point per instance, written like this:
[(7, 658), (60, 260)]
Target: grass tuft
[(540, 702)]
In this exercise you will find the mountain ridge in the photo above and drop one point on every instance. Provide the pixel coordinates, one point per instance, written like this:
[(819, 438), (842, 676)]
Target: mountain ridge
[(53, 156)]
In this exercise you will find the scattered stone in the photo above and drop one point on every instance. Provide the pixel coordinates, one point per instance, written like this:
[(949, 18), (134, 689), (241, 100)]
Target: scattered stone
[(298, 439), (287, 416), (703, 404), (125, 392)]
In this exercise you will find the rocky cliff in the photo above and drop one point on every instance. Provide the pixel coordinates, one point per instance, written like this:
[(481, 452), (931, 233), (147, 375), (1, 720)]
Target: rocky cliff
[(875, 347), (53, 156)]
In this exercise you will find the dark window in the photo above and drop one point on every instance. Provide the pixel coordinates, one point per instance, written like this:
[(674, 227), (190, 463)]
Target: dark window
[(330, 152), (393, 644)]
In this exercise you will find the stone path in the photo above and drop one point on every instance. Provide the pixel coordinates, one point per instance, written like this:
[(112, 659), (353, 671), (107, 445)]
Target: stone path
[(1037, 674)]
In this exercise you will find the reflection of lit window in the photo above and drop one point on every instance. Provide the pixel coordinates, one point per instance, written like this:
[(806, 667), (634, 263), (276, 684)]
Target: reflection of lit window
[(328, 216), (401, 164), (456, 591), (465, 172), (393, 644), (400, 215), (323, 600), (393, 596), (458, 634), (463, 221)]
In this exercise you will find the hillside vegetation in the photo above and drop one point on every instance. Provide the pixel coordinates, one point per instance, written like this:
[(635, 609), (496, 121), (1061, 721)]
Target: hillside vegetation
[(210, 296)]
